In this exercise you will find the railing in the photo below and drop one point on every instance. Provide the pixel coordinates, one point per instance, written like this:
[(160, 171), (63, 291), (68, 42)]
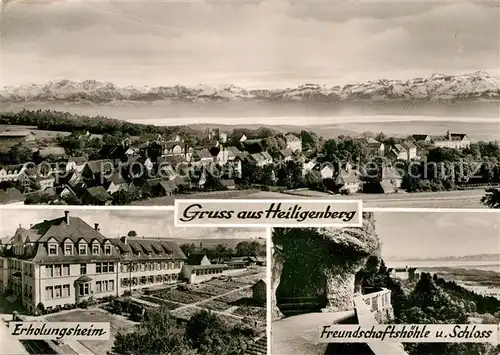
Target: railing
[(378, 301), (366, 306)]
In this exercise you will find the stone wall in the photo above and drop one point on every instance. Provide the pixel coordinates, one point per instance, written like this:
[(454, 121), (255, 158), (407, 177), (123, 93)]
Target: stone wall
[(323, 262)]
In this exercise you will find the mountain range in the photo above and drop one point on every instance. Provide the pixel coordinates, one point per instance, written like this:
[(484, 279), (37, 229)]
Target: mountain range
[(479, 86)]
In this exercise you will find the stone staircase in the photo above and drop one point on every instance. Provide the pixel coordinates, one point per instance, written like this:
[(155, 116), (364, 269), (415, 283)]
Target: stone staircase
[(259, 347)]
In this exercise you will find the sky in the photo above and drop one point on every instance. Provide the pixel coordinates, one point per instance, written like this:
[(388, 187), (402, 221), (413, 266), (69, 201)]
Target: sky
[(434, 235), (248, 43), (114, 224)]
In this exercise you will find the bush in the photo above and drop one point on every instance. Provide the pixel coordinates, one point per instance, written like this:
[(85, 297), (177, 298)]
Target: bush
[(345, 192)]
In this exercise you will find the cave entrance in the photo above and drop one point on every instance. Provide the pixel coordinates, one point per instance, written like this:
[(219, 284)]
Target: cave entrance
[(302, 287)]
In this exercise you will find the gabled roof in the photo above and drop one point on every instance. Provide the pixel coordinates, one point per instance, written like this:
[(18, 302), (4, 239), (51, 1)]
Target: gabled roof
[(285, 153), (390, 173), (57, 228), (11, 195), (234, 150), (116, 179), (195, 259), (99, 193), (420, 137), (203, 153), (54, 151), (168, 185), (96, 166), (16, 133), (408, 145), (159, 248)]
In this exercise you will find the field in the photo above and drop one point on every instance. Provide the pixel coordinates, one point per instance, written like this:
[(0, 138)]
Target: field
[(96, 346), (442, 199)]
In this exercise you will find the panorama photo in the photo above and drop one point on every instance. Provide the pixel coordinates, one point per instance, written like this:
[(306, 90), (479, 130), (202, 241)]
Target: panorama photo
[(163, 290), (395, 269)]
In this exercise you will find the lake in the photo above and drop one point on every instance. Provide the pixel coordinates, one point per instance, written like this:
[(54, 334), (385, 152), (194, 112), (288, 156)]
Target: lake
[(479, 265)]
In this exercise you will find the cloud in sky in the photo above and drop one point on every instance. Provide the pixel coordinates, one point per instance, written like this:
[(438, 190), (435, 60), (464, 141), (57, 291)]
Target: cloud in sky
[(114, 224), (430, 234), (268, 43)]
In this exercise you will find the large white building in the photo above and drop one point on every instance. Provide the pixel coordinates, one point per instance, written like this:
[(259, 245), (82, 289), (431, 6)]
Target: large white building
[(66, 261), (453, 140)]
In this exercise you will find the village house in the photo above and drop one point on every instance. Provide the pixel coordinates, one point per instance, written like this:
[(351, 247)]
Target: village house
[(405, 273), (348, 179), (327, 171), (259, 159), (202, 156), (17, 136), (452, 140), (286, 154), (114, 183), (425, 138), (11, 172), (293, 142), (390, 179), (375, 147), (50, 152), (75, 163), (308, 166), (96, 171), (404, 151), (96, 196), (65, 261)]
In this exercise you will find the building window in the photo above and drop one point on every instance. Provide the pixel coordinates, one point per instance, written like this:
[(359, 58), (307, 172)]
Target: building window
[(49, 290), (66, 270), (111, 286), (98, 268), (107, 249), (95, 249), (66, 291), (68, 249), (57, 270), (98, 286), (82, 249), (111, 267), (83, 269), (52, 249), (49, 270), (57, 291), (84, 289)]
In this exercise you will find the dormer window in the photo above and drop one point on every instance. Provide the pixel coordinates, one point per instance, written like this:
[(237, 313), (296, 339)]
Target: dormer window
[(107, 248), (96, 249), (82, 249), (68, 249), (52, 249)]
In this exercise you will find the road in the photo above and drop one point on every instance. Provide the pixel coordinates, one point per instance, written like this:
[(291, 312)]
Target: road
[(442, 199)]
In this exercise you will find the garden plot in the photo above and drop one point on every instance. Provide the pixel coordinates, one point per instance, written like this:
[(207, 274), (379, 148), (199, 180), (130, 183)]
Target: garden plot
[(215, 306), (252, 312), (235, 296), (210, 290), (164, 303), (186, 297)]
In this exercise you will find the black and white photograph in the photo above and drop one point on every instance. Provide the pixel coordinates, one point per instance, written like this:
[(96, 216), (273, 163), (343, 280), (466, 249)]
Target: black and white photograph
[(124, 102), (399, 268), (163, 290)]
